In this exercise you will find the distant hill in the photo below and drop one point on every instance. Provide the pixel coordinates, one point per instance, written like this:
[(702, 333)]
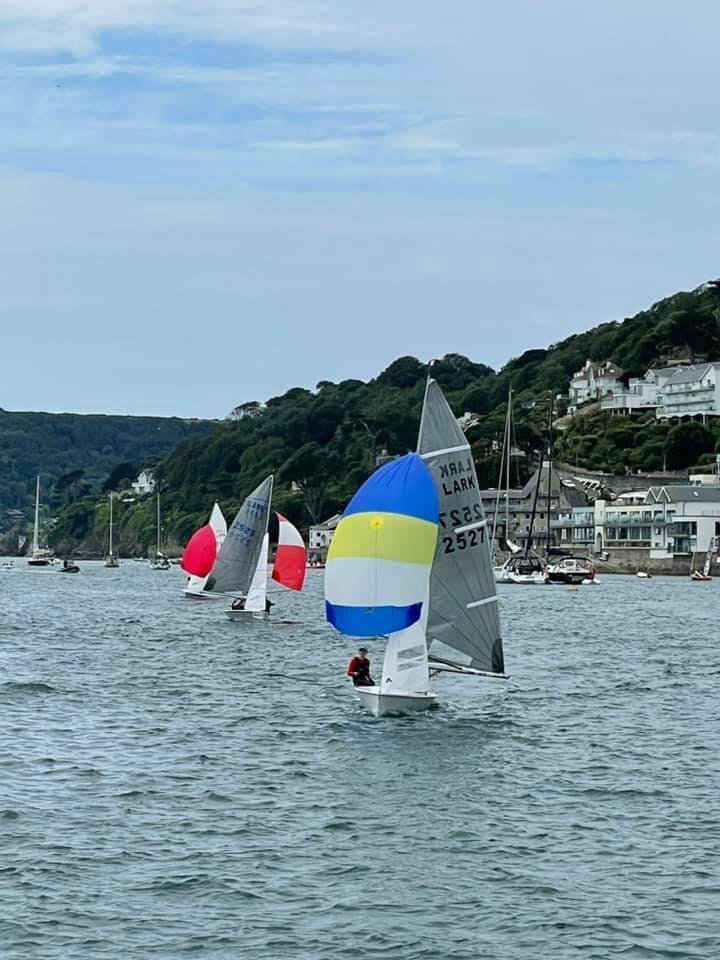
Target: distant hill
[(75, 453), (322, 443)]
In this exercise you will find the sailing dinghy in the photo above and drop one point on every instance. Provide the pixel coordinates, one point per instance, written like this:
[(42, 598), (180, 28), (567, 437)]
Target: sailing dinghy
[(201, 552), (240, 568), (377, 579), (458, 620), (288, 570)]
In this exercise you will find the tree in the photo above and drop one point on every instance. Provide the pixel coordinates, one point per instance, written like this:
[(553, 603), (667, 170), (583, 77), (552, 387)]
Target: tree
[(685, 444), (311, 469), (123, 471)]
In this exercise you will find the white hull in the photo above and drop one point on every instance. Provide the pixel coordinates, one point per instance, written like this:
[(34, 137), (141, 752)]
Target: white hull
[(201, 595), (246, 615), (520, 578), (381, 703)]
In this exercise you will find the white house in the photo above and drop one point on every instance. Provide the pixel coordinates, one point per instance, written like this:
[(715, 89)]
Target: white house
[(144, 484), (690, 391), (320, 537), (641, 394), (593, 382)]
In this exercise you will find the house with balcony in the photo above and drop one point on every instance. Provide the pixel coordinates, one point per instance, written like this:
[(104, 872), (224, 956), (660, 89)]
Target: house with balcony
[(690, 391), (594, 381)]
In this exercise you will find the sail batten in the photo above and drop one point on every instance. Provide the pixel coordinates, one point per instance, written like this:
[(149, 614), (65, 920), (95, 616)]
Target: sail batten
[(463, 620)]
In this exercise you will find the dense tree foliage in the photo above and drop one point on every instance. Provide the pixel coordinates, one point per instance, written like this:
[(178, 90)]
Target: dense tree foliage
[(75, 453), (321, 444)]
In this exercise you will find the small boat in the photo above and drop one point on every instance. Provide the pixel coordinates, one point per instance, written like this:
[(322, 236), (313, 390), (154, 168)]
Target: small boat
[(8, 565), (111, 560), (200, 554), (160, 562), (240, 568), (702, 576), (523, 569), (448, 622), (39, 556), (288, 571), (644, 575), (68, 567), (570, 570), (377, 581)]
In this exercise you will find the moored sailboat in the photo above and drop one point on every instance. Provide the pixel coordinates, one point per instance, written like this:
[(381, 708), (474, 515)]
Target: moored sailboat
[(160, 562), (111, 560), (39, 556)]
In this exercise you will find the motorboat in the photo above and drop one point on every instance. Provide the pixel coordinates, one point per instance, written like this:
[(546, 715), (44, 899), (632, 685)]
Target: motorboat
[(521, 569), (570, 570)]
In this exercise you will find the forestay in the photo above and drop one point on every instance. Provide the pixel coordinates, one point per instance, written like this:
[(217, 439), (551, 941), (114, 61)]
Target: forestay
[(238, 556), (463, 624)]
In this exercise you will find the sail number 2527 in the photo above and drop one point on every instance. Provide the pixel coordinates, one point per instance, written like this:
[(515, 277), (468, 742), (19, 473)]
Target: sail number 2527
[(462, 539)]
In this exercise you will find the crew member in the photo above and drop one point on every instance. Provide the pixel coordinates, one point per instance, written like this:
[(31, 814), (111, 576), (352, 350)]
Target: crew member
[(359, 669)]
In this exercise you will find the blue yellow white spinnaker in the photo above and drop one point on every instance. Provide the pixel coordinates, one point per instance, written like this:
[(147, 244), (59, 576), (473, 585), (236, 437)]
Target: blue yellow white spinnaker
[(379, 562)]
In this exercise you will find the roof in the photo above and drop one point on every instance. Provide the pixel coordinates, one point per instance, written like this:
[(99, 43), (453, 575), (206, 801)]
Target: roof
[(689, 374), (606, 369), (328, 524), (686, 493)]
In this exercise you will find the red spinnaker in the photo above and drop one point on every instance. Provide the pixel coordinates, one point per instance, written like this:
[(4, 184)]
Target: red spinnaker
[(200, 552), (290, 559)]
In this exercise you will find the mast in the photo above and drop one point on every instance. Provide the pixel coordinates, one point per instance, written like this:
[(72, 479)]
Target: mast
[(111, 525), (549, 489), (36, 527), (158, 522), (507, 465), (504, 457)]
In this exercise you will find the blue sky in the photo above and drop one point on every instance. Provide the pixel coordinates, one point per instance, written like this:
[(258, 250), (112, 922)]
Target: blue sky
[(210, 202)]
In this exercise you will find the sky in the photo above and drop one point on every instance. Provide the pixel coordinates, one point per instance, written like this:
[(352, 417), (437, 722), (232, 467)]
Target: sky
[(205, 202)]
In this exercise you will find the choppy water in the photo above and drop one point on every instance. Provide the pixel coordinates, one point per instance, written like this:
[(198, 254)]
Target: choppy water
[(164, 794)]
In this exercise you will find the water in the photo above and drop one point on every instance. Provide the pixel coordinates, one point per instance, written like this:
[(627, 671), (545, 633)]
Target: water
[(164, 794)]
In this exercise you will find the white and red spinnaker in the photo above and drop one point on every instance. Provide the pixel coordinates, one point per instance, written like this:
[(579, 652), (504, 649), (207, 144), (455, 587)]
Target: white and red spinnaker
[(290, 557)]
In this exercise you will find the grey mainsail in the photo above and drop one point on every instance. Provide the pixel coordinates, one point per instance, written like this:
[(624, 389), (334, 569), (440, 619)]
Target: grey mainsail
[(238, 556), (463, 623)]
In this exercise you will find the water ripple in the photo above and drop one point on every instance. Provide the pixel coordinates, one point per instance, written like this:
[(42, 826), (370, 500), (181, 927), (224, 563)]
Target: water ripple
[(166, 793)]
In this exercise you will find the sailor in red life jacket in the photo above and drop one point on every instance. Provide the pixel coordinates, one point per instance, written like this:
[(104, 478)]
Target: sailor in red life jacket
[(359, 669)]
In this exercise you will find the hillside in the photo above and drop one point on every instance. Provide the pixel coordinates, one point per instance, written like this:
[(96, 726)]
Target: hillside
[(75, 453), (322, 443)]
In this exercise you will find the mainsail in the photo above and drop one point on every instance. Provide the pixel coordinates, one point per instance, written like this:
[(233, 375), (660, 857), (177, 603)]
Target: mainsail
[(238, 556), (463, 627)]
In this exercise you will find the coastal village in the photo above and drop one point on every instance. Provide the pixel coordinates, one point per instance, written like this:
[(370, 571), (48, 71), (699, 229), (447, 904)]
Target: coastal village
[(658, 522)]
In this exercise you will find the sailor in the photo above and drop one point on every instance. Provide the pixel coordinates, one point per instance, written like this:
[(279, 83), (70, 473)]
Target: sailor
[(268, 605), (359, 669), (238, 604)]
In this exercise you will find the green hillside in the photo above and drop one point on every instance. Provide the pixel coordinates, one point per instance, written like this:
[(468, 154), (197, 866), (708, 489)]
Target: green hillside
[(75, 453), (322, 443)]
